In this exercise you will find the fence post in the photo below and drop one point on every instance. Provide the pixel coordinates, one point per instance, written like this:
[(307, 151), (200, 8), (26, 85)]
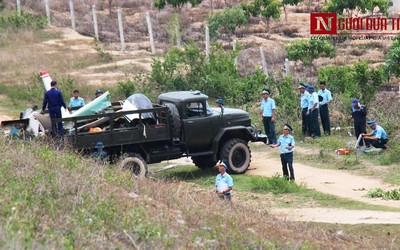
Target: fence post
[(150, 29), (399, 89), (234, 48), (178, 36), (207, 44), (287, 65), (96, 30), (264, 63), (71, 10), (46, 2), (19, 7), (121, 30)]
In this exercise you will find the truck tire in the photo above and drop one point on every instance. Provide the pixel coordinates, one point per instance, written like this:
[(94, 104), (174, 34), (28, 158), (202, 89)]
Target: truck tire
[(204, 162), (135, 164), (238, 155), (176, 120)]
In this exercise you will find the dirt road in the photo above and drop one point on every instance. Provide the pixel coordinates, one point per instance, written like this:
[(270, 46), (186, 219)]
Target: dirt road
[(336, 182)]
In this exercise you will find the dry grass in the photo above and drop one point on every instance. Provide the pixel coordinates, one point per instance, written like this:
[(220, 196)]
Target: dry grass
[(52, 198)]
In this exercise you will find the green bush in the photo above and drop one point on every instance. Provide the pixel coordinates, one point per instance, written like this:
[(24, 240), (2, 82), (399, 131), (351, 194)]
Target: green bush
[(126, 87), (275, 185), (387, 195), (227, 21), (25, 20), (358, 81)]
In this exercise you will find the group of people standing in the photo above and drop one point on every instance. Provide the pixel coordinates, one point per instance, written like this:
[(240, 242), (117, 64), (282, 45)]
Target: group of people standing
[(312, 105)]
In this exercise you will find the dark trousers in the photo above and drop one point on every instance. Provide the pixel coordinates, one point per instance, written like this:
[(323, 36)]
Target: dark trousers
[(324, 113), (269, 127), (304, 122), (313, 123), (358, 129), (57, 127), (287, 162), (379, 143)]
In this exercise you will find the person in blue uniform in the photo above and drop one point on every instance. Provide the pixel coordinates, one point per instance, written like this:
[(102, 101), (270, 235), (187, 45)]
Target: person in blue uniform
[(304, 108), (223, 182), (313, 105), (220, 104), (287, 143), (76, 100), (325, 98), (377, 138), (99, 154), (54, 100), (359, 115), (268, 112)]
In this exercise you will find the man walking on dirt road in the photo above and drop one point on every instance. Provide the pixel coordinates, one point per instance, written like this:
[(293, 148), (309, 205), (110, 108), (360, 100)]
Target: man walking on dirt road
[(54, 100), (286, 141)]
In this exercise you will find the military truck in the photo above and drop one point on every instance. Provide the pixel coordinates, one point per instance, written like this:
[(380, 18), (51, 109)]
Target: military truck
[(181, 124)]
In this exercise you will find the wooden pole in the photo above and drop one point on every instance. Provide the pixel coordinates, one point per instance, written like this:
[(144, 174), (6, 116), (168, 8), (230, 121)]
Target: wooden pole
[(46, 2), (121, 30), (207, 44), (264, 62), (150, 29), (287, 65), (96, 30), (71, 10), (19, 7)]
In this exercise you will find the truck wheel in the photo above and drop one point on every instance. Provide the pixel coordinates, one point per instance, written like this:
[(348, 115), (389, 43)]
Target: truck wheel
[(204, 162), (135, 164), (238, 155), (176, 120)]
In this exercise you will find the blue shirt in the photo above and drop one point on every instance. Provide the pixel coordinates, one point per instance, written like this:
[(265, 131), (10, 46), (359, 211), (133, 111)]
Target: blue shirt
[(78, 102), (267, 106), (326, 96), (54, 99), (304, 99), (379, 132), (284, 141), (312, 100), (222, 182)]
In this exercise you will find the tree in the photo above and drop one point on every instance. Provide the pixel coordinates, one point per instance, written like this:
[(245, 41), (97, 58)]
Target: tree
[(265, 8), (227, 21), (363, 6), (308, 50), (2, 5), (177, 4), (289, 2), (392, 65)]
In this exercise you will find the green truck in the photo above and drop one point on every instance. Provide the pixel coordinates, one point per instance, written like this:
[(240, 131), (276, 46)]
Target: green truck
[(181, 124)]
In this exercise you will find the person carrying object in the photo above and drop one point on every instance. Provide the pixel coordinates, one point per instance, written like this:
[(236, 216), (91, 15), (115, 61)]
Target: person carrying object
[(377, 138), (54, 100), (359, 115), (287, 143)]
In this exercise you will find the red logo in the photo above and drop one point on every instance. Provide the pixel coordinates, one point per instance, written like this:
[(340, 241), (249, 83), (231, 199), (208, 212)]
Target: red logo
[(323, 23)]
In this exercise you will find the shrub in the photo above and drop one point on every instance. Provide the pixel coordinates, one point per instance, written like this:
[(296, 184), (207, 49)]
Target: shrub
[(387, 195), (25, 20), (227, 21), (275, 185)]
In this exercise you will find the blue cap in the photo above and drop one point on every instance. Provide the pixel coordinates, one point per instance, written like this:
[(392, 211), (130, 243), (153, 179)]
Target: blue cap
[(288, 127), (99, 145), (98, 91), (310, 88), (220, 101), (302, 86), (354, 102), (266, 91), (371, 123)]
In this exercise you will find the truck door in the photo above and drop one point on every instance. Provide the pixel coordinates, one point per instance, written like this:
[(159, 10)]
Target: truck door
[(197, 125)]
